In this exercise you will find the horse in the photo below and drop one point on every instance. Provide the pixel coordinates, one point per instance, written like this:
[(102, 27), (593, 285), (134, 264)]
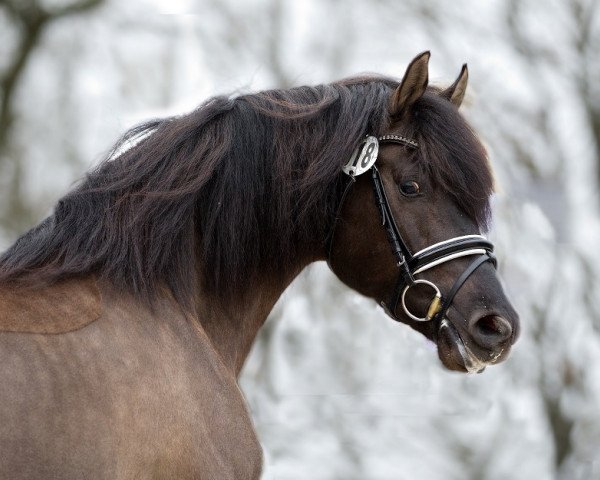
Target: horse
[(127, 314)]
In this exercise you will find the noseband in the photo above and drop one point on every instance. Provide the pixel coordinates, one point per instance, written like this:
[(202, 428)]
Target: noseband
[(409, 264)]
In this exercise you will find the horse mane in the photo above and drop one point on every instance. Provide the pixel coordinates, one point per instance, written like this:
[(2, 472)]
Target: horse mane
[(239, 186)]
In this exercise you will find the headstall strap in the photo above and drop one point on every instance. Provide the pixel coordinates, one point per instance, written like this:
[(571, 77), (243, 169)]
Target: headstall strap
[(408, 263)]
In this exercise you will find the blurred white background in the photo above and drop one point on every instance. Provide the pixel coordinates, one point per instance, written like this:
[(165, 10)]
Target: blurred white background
[(336, 389)]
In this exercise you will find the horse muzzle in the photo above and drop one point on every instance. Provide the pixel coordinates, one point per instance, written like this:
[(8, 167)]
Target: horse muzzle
[(454, 353), (490, 340)]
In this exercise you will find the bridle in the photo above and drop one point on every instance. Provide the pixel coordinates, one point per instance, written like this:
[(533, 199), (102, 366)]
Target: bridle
[(409, 264)]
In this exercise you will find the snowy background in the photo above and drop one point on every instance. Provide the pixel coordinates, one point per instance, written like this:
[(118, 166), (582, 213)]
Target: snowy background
[(337, 390)]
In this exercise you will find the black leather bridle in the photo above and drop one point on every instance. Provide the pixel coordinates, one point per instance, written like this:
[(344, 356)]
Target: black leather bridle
[(410, 264)]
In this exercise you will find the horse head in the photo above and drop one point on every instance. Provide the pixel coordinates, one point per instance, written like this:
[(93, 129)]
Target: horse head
[(408, 230)]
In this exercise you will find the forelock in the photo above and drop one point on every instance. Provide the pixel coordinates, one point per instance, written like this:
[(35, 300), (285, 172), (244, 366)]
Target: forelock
[(454, 156)]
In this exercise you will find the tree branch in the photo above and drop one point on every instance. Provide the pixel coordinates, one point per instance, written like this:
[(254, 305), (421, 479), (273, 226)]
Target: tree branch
[(75, 8), (32, 19), (33, 24)]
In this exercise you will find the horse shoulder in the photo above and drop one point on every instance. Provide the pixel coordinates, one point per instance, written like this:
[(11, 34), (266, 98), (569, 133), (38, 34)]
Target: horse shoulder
[(128, 393), (59, 308)]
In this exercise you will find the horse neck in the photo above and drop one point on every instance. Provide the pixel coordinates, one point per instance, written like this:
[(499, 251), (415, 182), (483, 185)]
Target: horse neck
[(233, 325)]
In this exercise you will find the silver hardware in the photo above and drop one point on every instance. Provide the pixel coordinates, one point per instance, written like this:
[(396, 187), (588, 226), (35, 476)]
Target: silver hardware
[(399, 139), (363, 158), (437, 297)]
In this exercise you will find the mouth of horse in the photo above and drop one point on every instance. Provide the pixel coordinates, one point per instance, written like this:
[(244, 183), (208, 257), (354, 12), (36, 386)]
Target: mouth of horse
[(455, 354)]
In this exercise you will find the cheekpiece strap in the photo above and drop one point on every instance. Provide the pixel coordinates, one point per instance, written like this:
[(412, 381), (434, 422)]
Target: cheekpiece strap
[(399, 248)]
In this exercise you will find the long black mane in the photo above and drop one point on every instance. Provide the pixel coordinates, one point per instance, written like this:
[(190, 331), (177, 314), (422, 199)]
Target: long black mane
[(239, 186)]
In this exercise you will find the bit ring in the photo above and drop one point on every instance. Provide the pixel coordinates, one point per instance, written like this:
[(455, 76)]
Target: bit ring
[(434, 307)]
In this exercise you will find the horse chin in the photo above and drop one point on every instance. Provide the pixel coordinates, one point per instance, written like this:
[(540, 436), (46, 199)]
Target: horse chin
[(454, 353)]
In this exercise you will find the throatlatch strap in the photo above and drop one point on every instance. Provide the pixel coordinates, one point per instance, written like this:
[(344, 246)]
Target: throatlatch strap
[(347, 188)]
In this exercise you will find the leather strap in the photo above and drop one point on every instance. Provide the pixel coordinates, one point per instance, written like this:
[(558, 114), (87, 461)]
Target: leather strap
[(449, 248), (329, 241), (475, 264), (399, 247)]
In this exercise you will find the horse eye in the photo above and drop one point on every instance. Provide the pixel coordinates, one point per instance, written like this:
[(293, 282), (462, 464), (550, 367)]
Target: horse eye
[(410, 188)]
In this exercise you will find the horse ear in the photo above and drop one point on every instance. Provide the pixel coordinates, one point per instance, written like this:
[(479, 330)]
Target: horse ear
[(456, 92), (413, 85)]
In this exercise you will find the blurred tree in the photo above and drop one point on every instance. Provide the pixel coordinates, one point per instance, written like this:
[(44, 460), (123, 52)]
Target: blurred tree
[(573, 60), (28, 19)]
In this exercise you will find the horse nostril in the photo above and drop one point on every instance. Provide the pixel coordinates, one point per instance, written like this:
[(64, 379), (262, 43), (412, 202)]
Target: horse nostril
[(491, 330)]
